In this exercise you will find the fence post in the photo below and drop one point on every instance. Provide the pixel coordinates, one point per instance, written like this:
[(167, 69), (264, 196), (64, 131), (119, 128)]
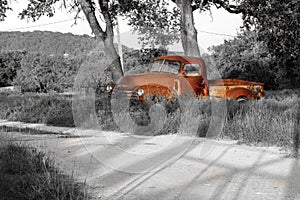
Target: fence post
[(296, 128)]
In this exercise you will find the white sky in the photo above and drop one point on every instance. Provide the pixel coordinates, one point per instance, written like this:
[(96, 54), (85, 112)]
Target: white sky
[(220, 22)]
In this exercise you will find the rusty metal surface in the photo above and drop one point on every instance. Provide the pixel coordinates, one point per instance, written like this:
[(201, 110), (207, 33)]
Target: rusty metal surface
[(235, 88), (228, 82), (168, 84)]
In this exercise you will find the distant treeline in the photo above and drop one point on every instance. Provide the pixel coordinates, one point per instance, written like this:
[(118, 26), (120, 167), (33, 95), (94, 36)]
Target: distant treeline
[(49, 61), (43, 61), (47, 43)]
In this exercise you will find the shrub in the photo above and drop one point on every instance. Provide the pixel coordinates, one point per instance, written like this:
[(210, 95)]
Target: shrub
[(60, 114), (10, 62), (41, 73), (53, 110)]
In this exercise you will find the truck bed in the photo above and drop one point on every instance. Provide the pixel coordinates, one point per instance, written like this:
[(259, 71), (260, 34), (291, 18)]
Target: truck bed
[(231, 82), (221, 87)]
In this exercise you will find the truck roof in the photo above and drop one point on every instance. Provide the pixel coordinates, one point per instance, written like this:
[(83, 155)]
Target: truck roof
[(183, 59)]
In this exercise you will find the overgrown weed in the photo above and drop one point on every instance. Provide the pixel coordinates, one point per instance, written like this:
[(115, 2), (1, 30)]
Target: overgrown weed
[(26, 173)]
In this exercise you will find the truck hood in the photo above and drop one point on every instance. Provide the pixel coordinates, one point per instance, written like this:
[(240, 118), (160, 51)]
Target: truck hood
[(130, 82)]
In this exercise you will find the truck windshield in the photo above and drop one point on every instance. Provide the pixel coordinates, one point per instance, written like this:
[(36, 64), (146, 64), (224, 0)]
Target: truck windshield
[(165, 66)]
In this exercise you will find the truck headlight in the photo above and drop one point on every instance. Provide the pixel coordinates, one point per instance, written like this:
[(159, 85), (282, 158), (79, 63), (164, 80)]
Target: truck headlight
[(109, 88), (140, 92)]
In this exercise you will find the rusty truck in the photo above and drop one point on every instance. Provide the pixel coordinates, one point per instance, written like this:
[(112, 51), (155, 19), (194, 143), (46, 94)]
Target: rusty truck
[(176, 76)]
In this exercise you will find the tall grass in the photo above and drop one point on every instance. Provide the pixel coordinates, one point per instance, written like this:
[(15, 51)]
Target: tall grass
[(268, 121), (26, 173)]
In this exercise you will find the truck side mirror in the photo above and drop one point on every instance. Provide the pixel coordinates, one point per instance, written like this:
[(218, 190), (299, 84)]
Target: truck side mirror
[(183, 73)]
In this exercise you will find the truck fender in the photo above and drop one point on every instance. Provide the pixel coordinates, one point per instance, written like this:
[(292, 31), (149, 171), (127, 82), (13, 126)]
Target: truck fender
[(155, 90), (239, 93)]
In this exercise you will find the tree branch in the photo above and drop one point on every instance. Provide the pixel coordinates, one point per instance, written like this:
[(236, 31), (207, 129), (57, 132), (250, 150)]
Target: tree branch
[(228, 7), (89, 12), (107, 17)]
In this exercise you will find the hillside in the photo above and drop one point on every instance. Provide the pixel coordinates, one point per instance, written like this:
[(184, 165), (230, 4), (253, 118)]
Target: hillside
[(46, 43), (41, 61)]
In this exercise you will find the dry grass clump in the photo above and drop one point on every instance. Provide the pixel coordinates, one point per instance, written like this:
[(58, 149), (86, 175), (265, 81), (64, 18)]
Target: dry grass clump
[(27, 174), (269, 121)]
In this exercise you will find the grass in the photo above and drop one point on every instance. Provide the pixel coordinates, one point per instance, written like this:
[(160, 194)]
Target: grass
[(270, 121), (26, 173), (53, 110)]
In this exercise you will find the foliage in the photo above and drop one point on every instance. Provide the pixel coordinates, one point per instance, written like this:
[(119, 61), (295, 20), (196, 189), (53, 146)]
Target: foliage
[(161, 23), (10, 62), (53, 110), (244, 57), (278, 25), (47, 43), (62, 52), (40, 73), (103, 32), (60, 114), (137, 61), (26, 173), (156, 23), (3, 8)]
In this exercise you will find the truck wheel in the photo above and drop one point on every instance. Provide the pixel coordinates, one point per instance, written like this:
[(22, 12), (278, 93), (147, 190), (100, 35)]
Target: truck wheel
[(242, 99), (139, 111)]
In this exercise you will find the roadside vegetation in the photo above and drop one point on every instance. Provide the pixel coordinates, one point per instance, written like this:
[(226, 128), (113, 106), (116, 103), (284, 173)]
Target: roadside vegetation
[(26, 173), (270, 121)]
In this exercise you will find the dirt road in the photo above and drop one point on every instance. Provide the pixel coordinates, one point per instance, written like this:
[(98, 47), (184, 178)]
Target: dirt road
[(120, 166)]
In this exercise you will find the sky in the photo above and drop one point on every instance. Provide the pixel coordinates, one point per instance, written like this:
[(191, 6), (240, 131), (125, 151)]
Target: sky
[(218, 22)]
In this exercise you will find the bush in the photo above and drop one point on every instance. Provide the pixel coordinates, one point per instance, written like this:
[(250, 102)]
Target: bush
[(60, 114), (53, 110), (26, 173), (44, 73), (10, 62)]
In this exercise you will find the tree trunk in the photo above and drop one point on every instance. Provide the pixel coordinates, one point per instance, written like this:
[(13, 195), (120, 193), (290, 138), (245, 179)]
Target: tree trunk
[(106, 38), (188, 30)]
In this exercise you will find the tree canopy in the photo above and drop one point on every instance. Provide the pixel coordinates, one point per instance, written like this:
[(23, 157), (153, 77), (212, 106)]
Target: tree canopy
[(96, 12), (277, 23), (157, 20), (244, 57)]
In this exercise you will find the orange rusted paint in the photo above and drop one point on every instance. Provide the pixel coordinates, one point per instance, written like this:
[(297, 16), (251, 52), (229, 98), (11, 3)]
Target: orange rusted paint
[(168, 83)]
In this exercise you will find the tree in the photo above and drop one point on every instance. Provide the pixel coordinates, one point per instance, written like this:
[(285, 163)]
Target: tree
[(107, 9), (244, 57), (157, 25), (10, 62), (182, 15), (3, 8), (277, 23), (43, 73)]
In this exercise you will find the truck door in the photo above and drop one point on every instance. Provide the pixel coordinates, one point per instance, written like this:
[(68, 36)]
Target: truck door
[(192, 73)]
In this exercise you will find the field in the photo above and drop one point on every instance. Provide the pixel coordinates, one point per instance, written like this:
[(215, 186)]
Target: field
[(270, 121)]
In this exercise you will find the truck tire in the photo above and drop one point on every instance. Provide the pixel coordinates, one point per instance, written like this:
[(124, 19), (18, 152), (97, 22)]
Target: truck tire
[(139, 111), (242, 99)]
